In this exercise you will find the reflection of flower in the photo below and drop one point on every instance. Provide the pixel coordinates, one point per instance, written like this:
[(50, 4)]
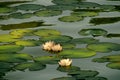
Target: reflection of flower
[(57, 48), (48, 45), (51, 46), (65, 62)]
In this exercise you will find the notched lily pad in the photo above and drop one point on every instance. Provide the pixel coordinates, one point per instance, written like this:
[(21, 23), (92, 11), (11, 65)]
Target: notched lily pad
[(77, 53), (64, 78), (29, 7), (23, 25), (104, 47), (115, 65), (71, 18), (84, 40), (68, 45), (10, 48), (6, 9), (57, 39), (46, 32), (48, 13), (32, 66), (68, 69), (93, 31), (104, 20)]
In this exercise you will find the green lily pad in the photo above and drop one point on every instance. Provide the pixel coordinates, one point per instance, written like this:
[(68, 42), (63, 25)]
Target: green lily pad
[(29, 7), (82, 74), (46, 32), (104, 47), (107, 8), (29, 43), (32, 66), (84, 14), (114, 65), (31, 24), (47, 59), (68, 68), (4, 17), (104, 20), (100, 60), (117, 8), (96, 78), (68, 45), (19, 15), (77, 53), (6, 9), (10, 48), (6, 38), (48, 13), (15, 58), (19, 33), (84, 40), (111, 35), (57, 39), (93, 31), (64, 78), (71, 18)]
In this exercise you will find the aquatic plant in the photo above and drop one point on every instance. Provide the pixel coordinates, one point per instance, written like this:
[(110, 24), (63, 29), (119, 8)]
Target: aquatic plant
[(65, 62)]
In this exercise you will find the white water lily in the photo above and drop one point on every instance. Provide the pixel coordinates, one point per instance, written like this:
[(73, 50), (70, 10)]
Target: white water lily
[(48, 45), (65, 62), (57, 48)]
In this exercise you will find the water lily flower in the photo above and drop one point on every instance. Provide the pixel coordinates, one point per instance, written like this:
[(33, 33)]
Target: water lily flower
[(65, 62), (48, 45), (57, 48)]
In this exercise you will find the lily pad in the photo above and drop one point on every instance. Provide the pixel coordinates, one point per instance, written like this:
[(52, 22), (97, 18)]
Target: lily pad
[(28, 43), (68, 69), (84, 14), (46, 32), (47, 59), (64, 78), (71, 18), (48, 13), (57, 39), (93, 31), (84, 40), (83, 74), (77, 53), (7, 38), (96, 78), (104, 20), (29, 7), (112, 35), (114, 65), (4, 17), (15, 58), (32, 66), (10, 48), (19, 15), (23, 25), (68, 45), (6, 9), (104, 47)]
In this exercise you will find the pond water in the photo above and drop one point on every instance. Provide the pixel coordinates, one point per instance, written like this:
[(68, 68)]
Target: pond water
[(69, 29)]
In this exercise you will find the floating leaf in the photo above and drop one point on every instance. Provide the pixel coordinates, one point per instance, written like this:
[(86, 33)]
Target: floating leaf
[(10, 48), (68, 45), (30, 65), (77, 53), (6, 38), (104, 20), (71, 18), (29, 43), (29, 7), (6, 9), (4, 17), (64, 78), (115, 65), (68, 69), (84, 14), (96, 78), (84, 40), (31, 24), (57, 39), (48, 13), (82, 74), (46, 32), (15, 58), (112, 35), (93, 31), (19, 15), (47, 59), (104, 47)]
